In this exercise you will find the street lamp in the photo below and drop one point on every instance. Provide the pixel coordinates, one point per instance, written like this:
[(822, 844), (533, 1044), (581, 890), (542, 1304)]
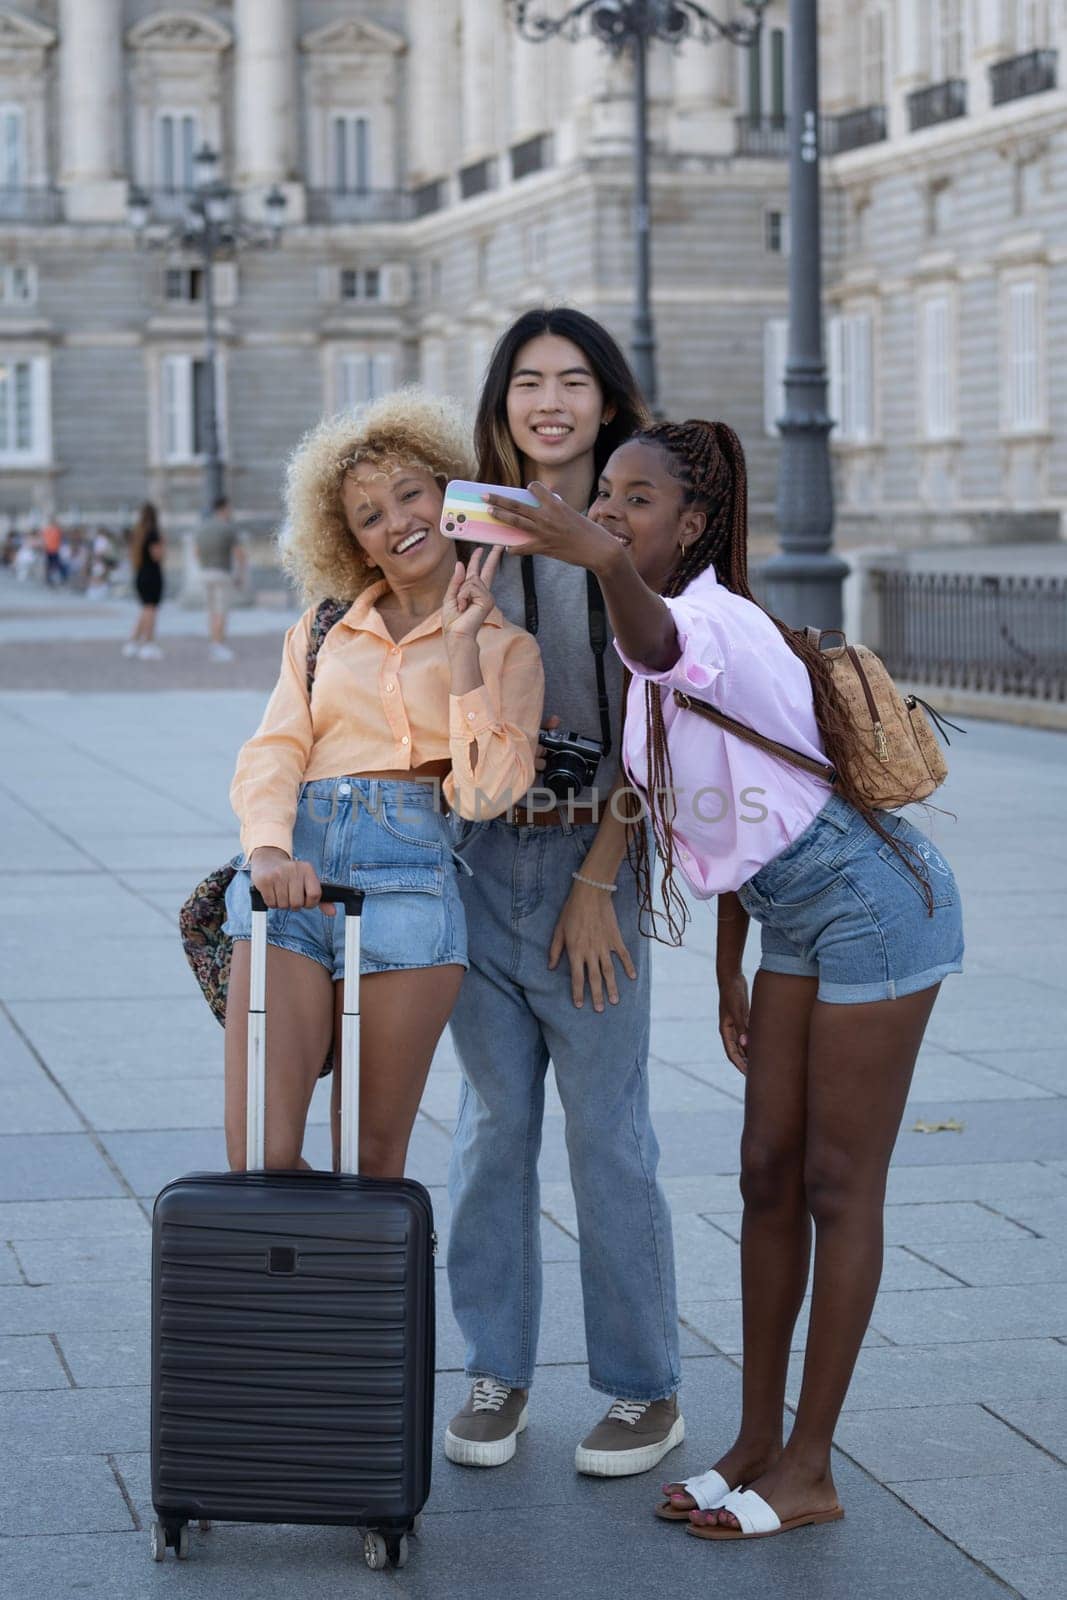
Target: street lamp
[(210, 226), (803, 584), (631, 25)]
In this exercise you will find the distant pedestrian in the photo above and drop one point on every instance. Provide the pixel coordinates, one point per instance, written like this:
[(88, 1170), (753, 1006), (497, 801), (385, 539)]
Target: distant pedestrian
[(55, 568), (223, 561), (147, 550)]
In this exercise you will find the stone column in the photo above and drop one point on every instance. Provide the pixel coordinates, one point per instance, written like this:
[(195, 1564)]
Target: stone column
[(705, 97), (912, 61), (479, 88), (528, 80), (431, 84), (992, 40), (90, 105), (264, 96)]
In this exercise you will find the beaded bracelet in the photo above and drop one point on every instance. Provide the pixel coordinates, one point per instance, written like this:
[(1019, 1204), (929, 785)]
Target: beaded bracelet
[(594, 883)]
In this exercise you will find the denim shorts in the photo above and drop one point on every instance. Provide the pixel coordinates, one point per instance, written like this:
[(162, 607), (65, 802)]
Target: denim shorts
[(391, 839), (841, 906)]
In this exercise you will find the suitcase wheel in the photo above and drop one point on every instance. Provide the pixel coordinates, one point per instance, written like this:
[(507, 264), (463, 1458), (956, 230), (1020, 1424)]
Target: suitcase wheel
[(375, 1551), (172, 1534)]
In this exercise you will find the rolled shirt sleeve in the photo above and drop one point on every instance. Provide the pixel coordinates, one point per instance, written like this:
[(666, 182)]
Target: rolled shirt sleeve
[(702, 644), (493, 735), (271, 765)]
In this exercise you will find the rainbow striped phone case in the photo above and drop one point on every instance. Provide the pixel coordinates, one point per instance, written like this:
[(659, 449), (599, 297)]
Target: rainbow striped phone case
[(466, 515)]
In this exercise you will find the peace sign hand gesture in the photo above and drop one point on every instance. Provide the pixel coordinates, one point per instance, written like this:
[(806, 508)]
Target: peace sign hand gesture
[(468, 600)]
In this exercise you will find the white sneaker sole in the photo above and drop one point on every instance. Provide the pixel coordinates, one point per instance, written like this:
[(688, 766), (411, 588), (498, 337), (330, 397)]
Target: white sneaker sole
[(471, 1453), (624, 1463)]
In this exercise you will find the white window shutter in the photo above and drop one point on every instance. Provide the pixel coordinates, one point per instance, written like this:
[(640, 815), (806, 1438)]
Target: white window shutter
[(433, 366), (353, 380), (775, 354), (935, 358), (1025, 396), (396, 283), (862, 377), (837, 399), (225, 283), (383, 375), (176, 407), (42, 409)]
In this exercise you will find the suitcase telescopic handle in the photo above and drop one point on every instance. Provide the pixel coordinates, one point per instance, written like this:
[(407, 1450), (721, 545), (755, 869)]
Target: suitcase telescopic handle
[(348, 1066)]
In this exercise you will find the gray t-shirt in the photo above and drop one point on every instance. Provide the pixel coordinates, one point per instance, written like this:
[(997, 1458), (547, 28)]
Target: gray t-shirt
[(216, 540), (570, 666)]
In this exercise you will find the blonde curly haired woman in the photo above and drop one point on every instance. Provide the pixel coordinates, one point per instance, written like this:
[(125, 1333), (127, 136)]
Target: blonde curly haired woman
[(420, 690)]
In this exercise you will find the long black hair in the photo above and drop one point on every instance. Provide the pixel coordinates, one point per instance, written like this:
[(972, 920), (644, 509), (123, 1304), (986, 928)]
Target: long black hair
[(498, 459)]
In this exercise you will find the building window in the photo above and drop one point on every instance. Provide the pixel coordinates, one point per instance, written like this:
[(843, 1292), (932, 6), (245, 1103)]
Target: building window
[(361, 283), (775, 354), (938, 399), (183, 284), (12, 147), (1024, 408), (851, 377), (25, 411), (362, 377), (177, 137), (1029, 184), (18, 285), (938, 208), (873, 35), (948, 52), (776, 233), (185, 399), (351, 153)]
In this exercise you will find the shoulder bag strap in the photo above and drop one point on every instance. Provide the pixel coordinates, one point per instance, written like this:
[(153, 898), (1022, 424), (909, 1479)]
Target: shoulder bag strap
[(817, 769)]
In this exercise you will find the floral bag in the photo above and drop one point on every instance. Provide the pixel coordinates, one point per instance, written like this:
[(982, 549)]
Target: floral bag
[(207, 948)]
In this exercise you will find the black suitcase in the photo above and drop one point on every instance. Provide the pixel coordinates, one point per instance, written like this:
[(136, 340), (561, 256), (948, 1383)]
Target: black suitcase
[(293, 1328)]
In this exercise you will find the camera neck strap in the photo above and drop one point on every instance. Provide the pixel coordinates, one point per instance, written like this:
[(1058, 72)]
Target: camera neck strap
[(598, 636)]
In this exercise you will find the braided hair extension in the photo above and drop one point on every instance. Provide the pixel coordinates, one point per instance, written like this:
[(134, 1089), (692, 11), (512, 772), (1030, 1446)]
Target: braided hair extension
[(708, 460)]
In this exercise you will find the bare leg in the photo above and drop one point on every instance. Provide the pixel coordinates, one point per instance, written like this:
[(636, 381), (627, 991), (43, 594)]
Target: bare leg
[(299, 1020), (403, 1015), (217, 627), (776, 1229), (147, 624), (860, 1065)]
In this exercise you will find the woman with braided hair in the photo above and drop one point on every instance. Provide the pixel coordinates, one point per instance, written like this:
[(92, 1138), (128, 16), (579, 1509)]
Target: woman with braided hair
[(860, 923)]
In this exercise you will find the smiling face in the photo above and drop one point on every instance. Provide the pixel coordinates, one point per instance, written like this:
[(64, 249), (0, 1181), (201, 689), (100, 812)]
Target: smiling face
[(642, 504), (555, 404), (394, 511)]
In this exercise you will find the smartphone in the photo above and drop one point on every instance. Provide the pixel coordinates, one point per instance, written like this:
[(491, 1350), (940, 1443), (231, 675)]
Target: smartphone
[(466, 515)]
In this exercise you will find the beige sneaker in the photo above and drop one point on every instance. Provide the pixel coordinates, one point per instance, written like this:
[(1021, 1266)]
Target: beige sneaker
[(484, 1433), (632, 1437)]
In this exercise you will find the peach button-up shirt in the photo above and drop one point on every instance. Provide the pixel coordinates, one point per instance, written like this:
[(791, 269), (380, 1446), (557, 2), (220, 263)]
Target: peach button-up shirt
[(379, 705)]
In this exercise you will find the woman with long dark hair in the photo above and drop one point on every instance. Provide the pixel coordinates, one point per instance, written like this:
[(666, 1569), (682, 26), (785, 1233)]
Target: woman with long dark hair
[(146, 563), (553, 880), (860, 923)]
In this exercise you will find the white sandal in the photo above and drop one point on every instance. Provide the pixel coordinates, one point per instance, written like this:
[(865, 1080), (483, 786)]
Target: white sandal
[(710, 1489), (757, 1519)]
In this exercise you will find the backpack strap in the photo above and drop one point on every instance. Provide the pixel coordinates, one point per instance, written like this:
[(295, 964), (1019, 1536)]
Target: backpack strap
[(327, 613), (816, 769)]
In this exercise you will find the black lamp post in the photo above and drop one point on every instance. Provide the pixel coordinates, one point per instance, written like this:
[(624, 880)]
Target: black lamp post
[(209, 225), (631, 25), (803, 583)]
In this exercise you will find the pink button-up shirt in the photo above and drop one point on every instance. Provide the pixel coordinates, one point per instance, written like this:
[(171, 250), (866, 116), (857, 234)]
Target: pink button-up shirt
[(738, 808)]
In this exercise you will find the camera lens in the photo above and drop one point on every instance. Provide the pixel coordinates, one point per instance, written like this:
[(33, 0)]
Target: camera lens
[(565, 775)]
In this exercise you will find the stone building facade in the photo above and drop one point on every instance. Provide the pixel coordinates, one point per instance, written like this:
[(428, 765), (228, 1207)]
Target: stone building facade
[(441, 174)]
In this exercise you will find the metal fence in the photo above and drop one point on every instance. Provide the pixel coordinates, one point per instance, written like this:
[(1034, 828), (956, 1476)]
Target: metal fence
[(1002, 635)]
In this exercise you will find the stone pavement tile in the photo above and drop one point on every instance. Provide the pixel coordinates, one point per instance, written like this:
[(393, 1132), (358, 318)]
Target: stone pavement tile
[(76, 1421), (921, 1224), (941, 1076), (36, 1107), (988, 1371), (111, 1359), (54, 1308), (60, 1495), (996, 1262), (697, 1142), (1008, 1130), (197, 851), (697, 1194), (105, 967), (1041, 964), (9, 1267), (1045, 1068), (51, 1219), (684, 1038), (87, 1259), (1035, 1577), (916, 1442), (18, 1064), (946, 1316), (719, 1321), (140, 1039), (53, 1166), (708, 1263), (29, 1361), (1046, 1216), (999, 1520), (114, 1105), (991, 1181), (1044, 1422), (1034, 1025)]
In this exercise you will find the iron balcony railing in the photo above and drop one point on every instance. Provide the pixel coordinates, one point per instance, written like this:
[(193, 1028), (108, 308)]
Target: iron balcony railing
[(478, 178), (1032, 73), (429, 197), (763, 136), (532, 155), (31, 205), (1001, 635), (359, 205), (941, 102), (854, 129)]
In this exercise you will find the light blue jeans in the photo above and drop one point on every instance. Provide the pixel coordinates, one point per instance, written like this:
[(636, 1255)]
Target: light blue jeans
[(513, 1015)]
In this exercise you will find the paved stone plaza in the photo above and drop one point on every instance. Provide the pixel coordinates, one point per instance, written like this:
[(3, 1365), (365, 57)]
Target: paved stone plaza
[(953, 1444)]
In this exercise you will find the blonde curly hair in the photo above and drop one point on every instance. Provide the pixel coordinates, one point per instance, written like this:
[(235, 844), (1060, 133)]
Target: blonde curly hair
[(409, 428)]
